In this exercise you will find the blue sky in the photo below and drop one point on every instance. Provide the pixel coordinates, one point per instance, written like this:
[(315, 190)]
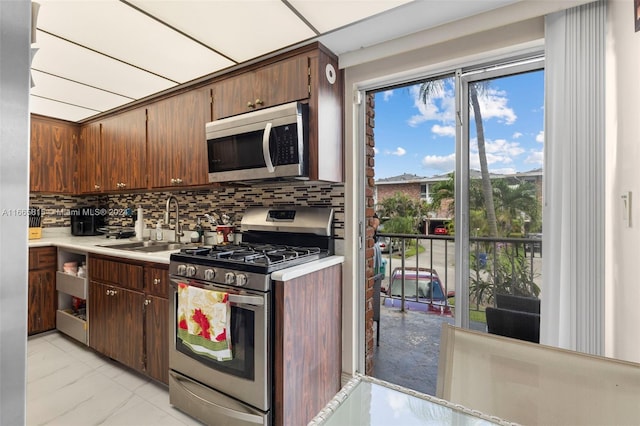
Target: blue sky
[(415, 138)]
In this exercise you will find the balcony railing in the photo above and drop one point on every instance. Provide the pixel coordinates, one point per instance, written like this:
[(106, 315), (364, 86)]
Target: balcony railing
[(504, 265)]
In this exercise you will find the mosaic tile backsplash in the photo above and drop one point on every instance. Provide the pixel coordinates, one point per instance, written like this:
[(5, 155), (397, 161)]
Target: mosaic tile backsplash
[(195, 204)]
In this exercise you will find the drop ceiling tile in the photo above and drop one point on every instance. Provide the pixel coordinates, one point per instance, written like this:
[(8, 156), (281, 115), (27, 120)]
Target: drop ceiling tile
[(55, 109), (327, 16), (124, 33), (67, 60), (69, 92), (240, 30)]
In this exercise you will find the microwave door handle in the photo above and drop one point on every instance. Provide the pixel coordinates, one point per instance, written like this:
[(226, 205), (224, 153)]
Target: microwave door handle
[(265, 148)]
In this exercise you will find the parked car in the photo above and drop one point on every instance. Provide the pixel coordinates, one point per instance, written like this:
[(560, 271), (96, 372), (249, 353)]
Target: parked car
[(441, 230), (387, 245), (535, 246), (423, 291)]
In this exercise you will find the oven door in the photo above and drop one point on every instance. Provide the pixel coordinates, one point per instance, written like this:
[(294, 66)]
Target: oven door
[(247, 376), (265, 144)]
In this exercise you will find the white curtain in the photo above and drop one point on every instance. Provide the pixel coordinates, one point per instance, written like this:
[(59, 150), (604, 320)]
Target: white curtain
[(572, 313)]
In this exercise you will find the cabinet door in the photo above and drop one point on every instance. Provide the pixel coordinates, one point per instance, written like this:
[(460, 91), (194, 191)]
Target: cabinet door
[(42, 301), (116, 323), (124, 147), (52, 161), (101, 312), (270, 85), (157, 337), (90, 159), (129, 323), (176, 138)]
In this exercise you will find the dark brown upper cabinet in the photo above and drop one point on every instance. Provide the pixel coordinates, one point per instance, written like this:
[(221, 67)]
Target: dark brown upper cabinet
[(124, 151), (176, 139), (267, 86), (90, 159), (53, 147)]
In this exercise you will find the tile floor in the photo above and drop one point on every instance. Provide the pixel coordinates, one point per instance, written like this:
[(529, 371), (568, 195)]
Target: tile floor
[(69, 384)]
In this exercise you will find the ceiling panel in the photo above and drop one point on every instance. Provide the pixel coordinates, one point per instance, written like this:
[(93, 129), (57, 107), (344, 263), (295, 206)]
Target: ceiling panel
[(55, 109), (120, 31), (327, 16), (52, 87), (241, 30), (84, 66)]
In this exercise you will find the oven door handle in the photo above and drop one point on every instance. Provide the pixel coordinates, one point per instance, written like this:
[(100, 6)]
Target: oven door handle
[(246, 300)]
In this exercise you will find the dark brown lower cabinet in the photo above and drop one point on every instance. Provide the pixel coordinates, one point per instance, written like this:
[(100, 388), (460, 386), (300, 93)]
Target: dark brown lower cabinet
[(157, 338), (156, 289), (128, 314), (308, 348), (116, 323), (43, 299)]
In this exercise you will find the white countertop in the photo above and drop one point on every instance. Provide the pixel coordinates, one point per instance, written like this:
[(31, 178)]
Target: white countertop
[(92, 244), (61, 237)]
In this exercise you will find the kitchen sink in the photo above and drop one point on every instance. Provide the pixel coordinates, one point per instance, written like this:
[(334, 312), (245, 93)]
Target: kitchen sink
[(147, 246)]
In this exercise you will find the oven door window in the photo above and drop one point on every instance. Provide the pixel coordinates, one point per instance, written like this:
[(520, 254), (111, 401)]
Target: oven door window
[(242, 326)]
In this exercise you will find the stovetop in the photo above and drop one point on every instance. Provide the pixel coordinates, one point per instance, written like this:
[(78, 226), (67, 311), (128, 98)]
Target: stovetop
[(253, 257), (272, 240)]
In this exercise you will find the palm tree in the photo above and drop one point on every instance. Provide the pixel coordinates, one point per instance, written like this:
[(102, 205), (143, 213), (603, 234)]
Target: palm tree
[(432, 88)]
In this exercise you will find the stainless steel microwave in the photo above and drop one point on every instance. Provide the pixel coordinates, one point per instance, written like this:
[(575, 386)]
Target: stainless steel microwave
[(271, 143)]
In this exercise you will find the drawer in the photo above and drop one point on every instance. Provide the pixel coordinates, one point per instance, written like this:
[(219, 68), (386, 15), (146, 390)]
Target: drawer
[(70, 284), (113, 272), (156, 281), (42, 258), (71, 325)]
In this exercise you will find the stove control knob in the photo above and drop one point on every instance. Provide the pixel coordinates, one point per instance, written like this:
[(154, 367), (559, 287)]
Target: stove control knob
[(209, 274), (241, 279), (182, 269), (229, 278), (191, 271)]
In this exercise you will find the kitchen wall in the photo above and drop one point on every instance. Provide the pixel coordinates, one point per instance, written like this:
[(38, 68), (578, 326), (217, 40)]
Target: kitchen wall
[(622, 241), (195, 203)]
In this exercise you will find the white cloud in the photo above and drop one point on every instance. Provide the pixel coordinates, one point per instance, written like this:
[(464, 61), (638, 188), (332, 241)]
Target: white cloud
[(376, 151), (444, 130), (516, 135), (535, 157), (493, 104), (540, 137), (499, 153), (440, 106), (443, 164), (386, 95), (399, 151)]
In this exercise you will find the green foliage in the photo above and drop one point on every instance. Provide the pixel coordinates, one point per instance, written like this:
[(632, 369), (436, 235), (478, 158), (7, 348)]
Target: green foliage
[(512, 274), (401, 214)]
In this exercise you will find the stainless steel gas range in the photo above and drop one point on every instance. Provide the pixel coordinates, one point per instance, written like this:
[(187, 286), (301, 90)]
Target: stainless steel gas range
[(221, 333)]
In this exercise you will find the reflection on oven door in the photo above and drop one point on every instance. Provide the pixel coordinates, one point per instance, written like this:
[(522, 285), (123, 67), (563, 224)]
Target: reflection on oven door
[(211, 407)]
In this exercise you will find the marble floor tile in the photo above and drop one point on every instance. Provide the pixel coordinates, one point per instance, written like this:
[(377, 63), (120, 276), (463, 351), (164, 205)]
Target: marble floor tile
[(70, 384)]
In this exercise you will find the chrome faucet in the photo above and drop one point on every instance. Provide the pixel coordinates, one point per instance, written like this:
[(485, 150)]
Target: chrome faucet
[(166, 216)]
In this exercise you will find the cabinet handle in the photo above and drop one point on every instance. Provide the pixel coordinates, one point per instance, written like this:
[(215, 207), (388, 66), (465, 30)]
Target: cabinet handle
[(251, 105), (156, 281), (96, 186), (259, 102), (146, 302), (176, 181), (111, 292)]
